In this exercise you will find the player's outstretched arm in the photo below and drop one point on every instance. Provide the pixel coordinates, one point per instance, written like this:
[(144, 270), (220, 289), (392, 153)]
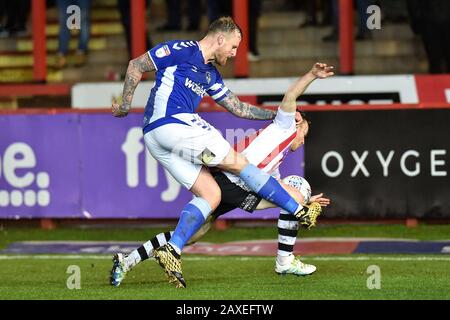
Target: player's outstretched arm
[(245, 110), (319, 70), (136, 68)]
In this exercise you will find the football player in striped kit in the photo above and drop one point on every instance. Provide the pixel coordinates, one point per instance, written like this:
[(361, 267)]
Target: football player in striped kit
[(265, 150)]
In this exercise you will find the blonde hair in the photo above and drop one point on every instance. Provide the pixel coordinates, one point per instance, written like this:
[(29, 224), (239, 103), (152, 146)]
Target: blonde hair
[(224, 24)]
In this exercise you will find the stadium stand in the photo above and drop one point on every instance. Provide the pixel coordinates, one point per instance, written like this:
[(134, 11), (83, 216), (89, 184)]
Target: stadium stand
[(284, 47)]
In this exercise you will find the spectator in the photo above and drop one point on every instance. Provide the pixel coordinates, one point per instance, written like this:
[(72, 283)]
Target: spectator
[(174, 15), (16, 15), (213, 10), (363, 33), (318, 12), (430, 19), (2, 16), (394, 11), (124, 9), (218, 8), (254, 12), (64, 31)]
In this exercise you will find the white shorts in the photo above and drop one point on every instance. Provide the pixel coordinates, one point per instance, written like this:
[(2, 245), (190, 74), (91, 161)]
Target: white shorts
[(183, 148)]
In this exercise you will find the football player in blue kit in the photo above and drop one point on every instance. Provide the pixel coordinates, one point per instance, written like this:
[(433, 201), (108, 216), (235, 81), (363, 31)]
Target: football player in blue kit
[(182, 142)]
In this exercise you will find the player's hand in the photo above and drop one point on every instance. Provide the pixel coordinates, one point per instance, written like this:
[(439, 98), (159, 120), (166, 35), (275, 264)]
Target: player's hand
[(322, 70), (320, 199), (118, 110)]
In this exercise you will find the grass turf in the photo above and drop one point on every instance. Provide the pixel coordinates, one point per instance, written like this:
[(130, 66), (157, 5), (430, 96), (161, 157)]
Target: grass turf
[(338, 276), (228, 278)]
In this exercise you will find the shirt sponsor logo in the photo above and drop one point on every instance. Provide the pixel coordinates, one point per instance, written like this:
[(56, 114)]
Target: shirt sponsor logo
[(207, 156), (250, 202), (162, 52), (195, 87)]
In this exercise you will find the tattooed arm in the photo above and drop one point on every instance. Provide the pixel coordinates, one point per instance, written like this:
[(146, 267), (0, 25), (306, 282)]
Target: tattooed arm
[(245, 110), (136, 68)]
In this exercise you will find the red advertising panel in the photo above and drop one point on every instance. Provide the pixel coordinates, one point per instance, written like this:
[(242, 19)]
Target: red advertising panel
[(433, 88)]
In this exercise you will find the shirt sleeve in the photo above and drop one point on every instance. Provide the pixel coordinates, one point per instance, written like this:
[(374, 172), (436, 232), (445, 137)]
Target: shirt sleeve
[(172, 53), (284, 120), (218, 90)]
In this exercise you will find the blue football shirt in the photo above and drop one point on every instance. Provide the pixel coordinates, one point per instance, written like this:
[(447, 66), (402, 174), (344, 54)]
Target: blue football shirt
[(182, 79)]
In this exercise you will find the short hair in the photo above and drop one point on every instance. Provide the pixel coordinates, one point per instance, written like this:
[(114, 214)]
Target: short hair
[(303, 114), (224, 24)]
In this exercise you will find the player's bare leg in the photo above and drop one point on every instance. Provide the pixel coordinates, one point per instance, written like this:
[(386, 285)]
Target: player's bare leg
[(169, 255), (264, 204)]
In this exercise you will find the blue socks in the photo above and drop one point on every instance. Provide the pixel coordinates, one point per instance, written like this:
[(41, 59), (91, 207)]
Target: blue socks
[(268, 187), (195, 212), (192, 217)]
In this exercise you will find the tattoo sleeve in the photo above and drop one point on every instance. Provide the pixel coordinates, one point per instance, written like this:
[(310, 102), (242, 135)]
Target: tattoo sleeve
[(245, 110), (136, 68)]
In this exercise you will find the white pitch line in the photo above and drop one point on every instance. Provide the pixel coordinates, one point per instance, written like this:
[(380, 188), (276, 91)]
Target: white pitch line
[(328, 258), (55, 257), (414, 258)]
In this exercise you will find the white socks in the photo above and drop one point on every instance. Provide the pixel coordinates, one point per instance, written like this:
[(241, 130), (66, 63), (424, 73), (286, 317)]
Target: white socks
[(284, 260)]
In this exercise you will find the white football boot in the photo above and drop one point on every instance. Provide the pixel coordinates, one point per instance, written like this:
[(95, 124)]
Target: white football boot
[(295, 267)]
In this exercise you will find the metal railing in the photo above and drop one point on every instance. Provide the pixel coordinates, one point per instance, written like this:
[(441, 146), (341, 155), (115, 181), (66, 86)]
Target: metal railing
[(138, 25)]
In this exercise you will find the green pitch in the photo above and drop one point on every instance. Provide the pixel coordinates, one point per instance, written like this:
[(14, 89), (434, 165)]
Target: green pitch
[(229, 278), (337, 277)]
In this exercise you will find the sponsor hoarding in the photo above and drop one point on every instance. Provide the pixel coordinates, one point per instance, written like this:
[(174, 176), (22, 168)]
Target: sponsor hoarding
[(92, 165), (381, 163)]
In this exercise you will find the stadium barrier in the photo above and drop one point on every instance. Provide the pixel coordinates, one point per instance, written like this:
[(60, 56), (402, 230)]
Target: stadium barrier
[(339, 91), (269, 91), (375, 162), (88, 164), (76, 163), (381, 162)]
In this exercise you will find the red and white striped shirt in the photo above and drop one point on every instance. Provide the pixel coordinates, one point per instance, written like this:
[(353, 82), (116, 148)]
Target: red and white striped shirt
[(267, 147)]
